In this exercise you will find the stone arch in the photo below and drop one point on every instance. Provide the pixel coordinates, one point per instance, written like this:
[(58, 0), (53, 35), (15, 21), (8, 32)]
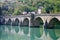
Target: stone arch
[(53, 23), (16, 22), (26, 22), (9, 22), (49, 18), (42, 18), (38, 21), (58, 18), (3, 21)]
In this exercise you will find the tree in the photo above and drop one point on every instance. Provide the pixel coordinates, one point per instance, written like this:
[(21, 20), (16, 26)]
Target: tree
[(58, 7)]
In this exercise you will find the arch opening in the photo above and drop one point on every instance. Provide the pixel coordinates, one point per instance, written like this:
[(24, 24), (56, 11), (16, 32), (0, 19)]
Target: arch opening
[(54, 23), (3, 21), (38, 22), (26, 25), (25, 22), (16, 23), (9, 22)]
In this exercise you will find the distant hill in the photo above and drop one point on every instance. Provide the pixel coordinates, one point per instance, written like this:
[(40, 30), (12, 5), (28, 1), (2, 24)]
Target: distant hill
[(16, 8)]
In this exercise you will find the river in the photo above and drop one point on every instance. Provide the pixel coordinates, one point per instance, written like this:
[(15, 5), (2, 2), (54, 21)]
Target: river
[(8, 32)]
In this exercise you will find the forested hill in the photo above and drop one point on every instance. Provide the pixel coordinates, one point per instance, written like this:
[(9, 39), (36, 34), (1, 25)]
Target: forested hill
[(16, 8)]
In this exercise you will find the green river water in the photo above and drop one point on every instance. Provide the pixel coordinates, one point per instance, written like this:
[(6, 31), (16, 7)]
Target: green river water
[(8, 32)]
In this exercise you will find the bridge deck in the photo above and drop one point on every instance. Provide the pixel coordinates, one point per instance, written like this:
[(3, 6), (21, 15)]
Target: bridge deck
[(28, 15)]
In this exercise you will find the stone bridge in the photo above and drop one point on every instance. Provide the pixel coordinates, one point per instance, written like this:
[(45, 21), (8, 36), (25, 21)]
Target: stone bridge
[(48, 20)]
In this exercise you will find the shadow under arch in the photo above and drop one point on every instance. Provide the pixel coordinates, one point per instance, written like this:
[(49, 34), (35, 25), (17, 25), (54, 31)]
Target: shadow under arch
[(25, 25), (37, 30), (26, 22), (38, 22), (16, 25), (3, 21), (16, 22), (9, 22), (53, 23), (53, 28)]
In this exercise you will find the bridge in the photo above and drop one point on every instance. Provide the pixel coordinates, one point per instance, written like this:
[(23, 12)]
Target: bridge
[(48, 20)]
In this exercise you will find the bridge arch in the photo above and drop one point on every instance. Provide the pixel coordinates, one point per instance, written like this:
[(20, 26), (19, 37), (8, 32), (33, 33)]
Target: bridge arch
[(38, 21), (53, 23), (3, 21), (16, 21), (9, 22), (41, 17), (26, 22), (58, 18)]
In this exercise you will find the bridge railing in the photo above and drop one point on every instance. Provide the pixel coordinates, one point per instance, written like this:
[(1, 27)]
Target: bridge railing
[(12, 16), (47, 14), (28, 15)]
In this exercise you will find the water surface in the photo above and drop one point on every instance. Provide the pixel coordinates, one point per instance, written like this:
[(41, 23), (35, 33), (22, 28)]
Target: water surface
[(8, 32)]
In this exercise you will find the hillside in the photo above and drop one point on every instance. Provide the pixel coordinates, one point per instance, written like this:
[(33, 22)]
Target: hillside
[(16, 8)]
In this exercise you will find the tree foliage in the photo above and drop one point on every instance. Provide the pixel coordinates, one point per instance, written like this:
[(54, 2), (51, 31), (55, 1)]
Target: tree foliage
[(49, 6)]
